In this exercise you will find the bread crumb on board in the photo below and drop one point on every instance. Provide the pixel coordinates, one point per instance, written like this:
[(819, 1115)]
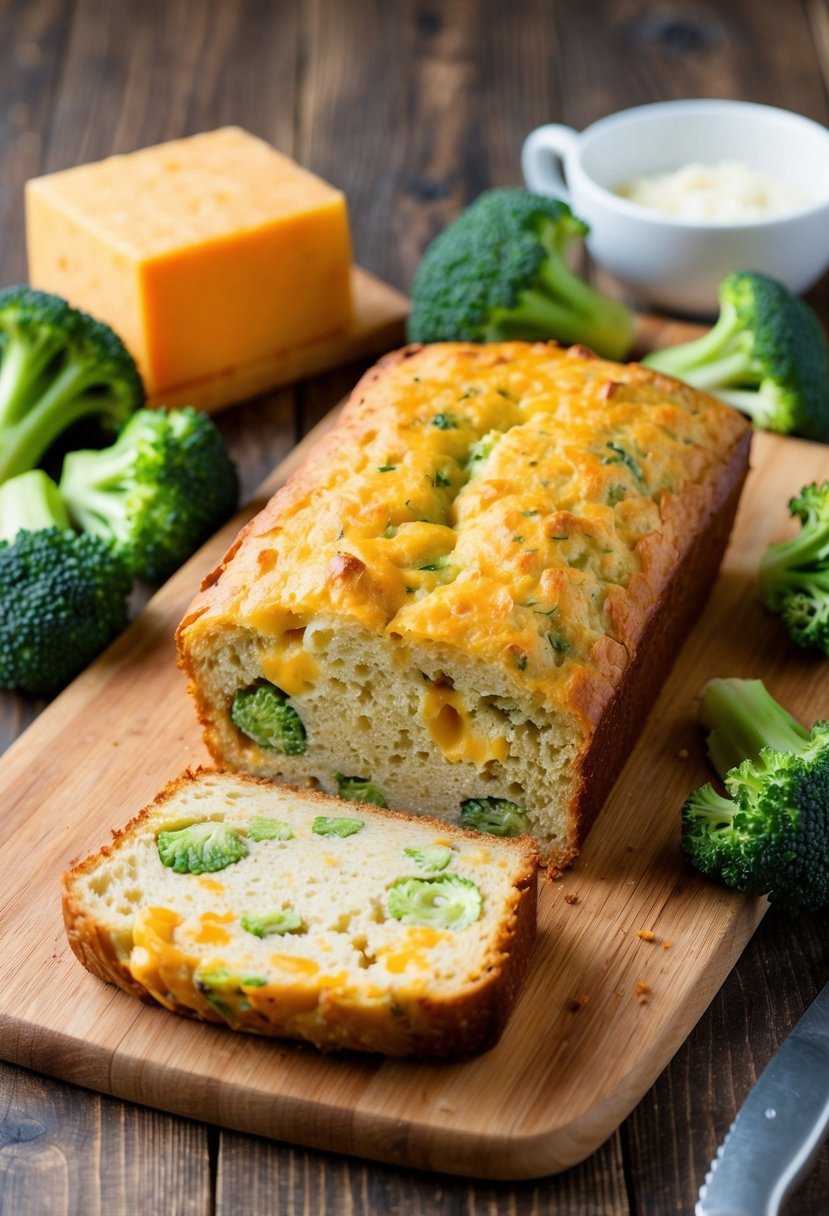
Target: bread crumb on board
[(579, 1002), (569, 898), (642, 992), (666, 945), (647, 935)]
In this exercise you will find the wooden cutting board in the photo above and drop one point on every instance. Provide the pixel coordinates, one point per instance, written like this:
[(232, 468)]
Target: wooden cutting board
[(603, 1009)]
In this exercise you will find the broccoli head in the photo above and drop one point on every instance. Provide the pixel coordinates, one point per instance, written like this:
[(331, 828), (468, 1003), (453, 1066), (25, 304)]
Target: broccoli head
[(359, 789), (766, 356), (501, 271), (158, 492), (447, 902), (57, 365), (497, 816), (264, 715), (201, 848), (794, 574), (63, 597), (771, 835)]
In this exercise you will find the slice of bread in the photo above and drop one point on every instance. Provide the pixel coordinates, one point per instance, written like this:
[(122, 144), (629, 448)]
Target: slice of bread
[(289, 913)]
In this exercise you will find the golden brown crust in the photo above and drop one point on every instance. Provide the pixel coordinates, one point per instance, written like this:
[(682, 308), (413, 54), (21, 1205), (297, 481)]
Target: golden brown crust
[(630, 470)]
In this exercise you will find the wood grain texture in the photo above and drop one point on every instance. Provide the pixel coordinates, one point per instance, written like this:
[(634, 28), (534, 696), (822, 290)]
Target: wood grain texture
[(413, 107), (64, 1152), (255, 1177), (584, 1043)]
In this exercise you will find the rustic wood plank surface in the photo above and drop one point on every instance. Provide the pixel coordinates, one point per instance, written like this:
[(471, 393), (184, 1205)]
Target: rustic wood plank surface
[(412, 108)]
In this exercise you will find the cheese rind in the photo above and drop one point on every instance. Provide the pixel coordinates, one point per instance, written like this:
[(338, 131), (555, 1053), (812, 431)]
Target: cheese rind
[(204, 254)]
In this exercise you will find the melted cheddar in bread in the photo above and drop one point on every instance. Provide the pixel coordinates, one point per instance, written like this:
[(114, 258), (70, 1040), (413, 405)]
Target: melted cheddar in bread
[(283, 912), (475, 584)]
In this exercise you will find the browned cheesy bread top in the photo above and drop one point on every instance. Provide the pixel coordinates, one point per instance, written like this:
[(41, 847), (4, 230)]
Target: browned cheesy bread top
[(519, 507)]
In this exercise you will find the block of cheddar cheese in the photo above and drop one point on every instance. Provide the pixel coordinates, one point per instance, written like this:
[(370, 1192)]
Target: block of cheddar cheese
[(208, 255)]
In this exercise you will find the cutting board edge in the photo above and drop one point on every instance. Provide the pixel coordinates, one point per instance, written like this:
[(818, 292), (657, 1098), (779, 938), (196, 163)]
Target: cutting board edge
[(461, 1152)]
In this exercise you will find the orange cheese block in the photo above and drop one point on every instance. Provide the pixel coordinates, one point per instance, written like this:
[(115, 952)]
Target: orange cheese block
[(207, 255)]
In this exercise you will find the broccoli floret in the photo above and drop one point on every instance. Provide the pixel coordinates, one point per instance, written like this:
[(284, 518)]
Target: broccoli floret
[(500, 271), (264, 715), (766, 356), (63, 597), (57, 365), (497, 816), (158, 492), (335, 825), (432, 857), (263, 828), (359, 789), (277, 922), (771, 836), (201, 848), (448, 902), (794, 575)]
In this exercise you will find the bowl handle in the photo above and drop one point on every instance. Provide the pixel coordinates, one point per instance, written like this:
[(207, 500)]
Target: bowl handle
[(542, 159)]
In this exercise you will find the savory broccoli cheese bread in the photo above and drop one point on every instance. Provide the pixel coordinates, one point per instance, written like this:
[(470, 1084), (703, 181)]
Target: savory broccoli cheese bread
[(471, 592), (288, 913)]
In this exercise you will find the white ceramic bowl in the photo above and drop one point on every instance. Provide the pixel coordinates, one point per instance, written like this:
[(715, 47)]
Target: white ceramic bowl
[(677, 264)]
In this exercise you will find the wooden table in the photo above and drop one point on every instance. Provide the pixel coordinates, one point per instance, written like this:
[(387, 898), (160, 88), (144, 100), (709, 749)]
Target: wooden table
[(412, 108)]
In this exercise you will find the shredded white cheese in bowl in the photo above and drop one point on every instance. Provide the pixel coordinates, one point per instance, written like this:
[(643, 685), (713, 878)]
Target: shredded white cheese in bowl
[(730, 191)]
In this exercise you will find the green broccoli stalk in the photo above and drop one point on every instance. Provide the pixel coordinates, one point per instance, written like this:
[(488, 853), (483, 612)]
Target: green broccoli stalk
[(264, 715), (57, 365), (158, 492), (359, 789), (336, 825), (794, 574), (447, 902), (201, 848), (431, 858), (501, 271), (63, 597), (766, 356), (771, 836), (275, 923), (262, 827), (497, 816)]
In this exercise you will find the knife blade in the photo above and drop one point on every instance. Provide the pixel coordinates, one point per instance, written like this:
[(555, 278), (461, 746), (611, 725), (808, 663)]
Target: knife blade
[(779, 1128)]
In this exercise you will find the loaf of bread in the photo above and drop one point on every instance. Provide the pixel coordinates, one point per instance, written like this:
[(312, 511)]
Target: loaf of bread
[(288, 913), (472, 591)]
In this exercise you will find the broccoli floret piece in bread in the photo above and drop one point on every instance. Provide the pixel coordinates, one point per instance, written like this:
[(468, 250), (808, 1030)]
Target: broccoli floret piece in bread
[(63, 597), (264, 715), (431, 858), (359, 789), (201, 848), (263, 828), (336, 825), (57, 365), (158, 492), (771, 835), (501, 271), (794, 575), (448, 902), (274, 923), (766, 356), (497, 816)]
